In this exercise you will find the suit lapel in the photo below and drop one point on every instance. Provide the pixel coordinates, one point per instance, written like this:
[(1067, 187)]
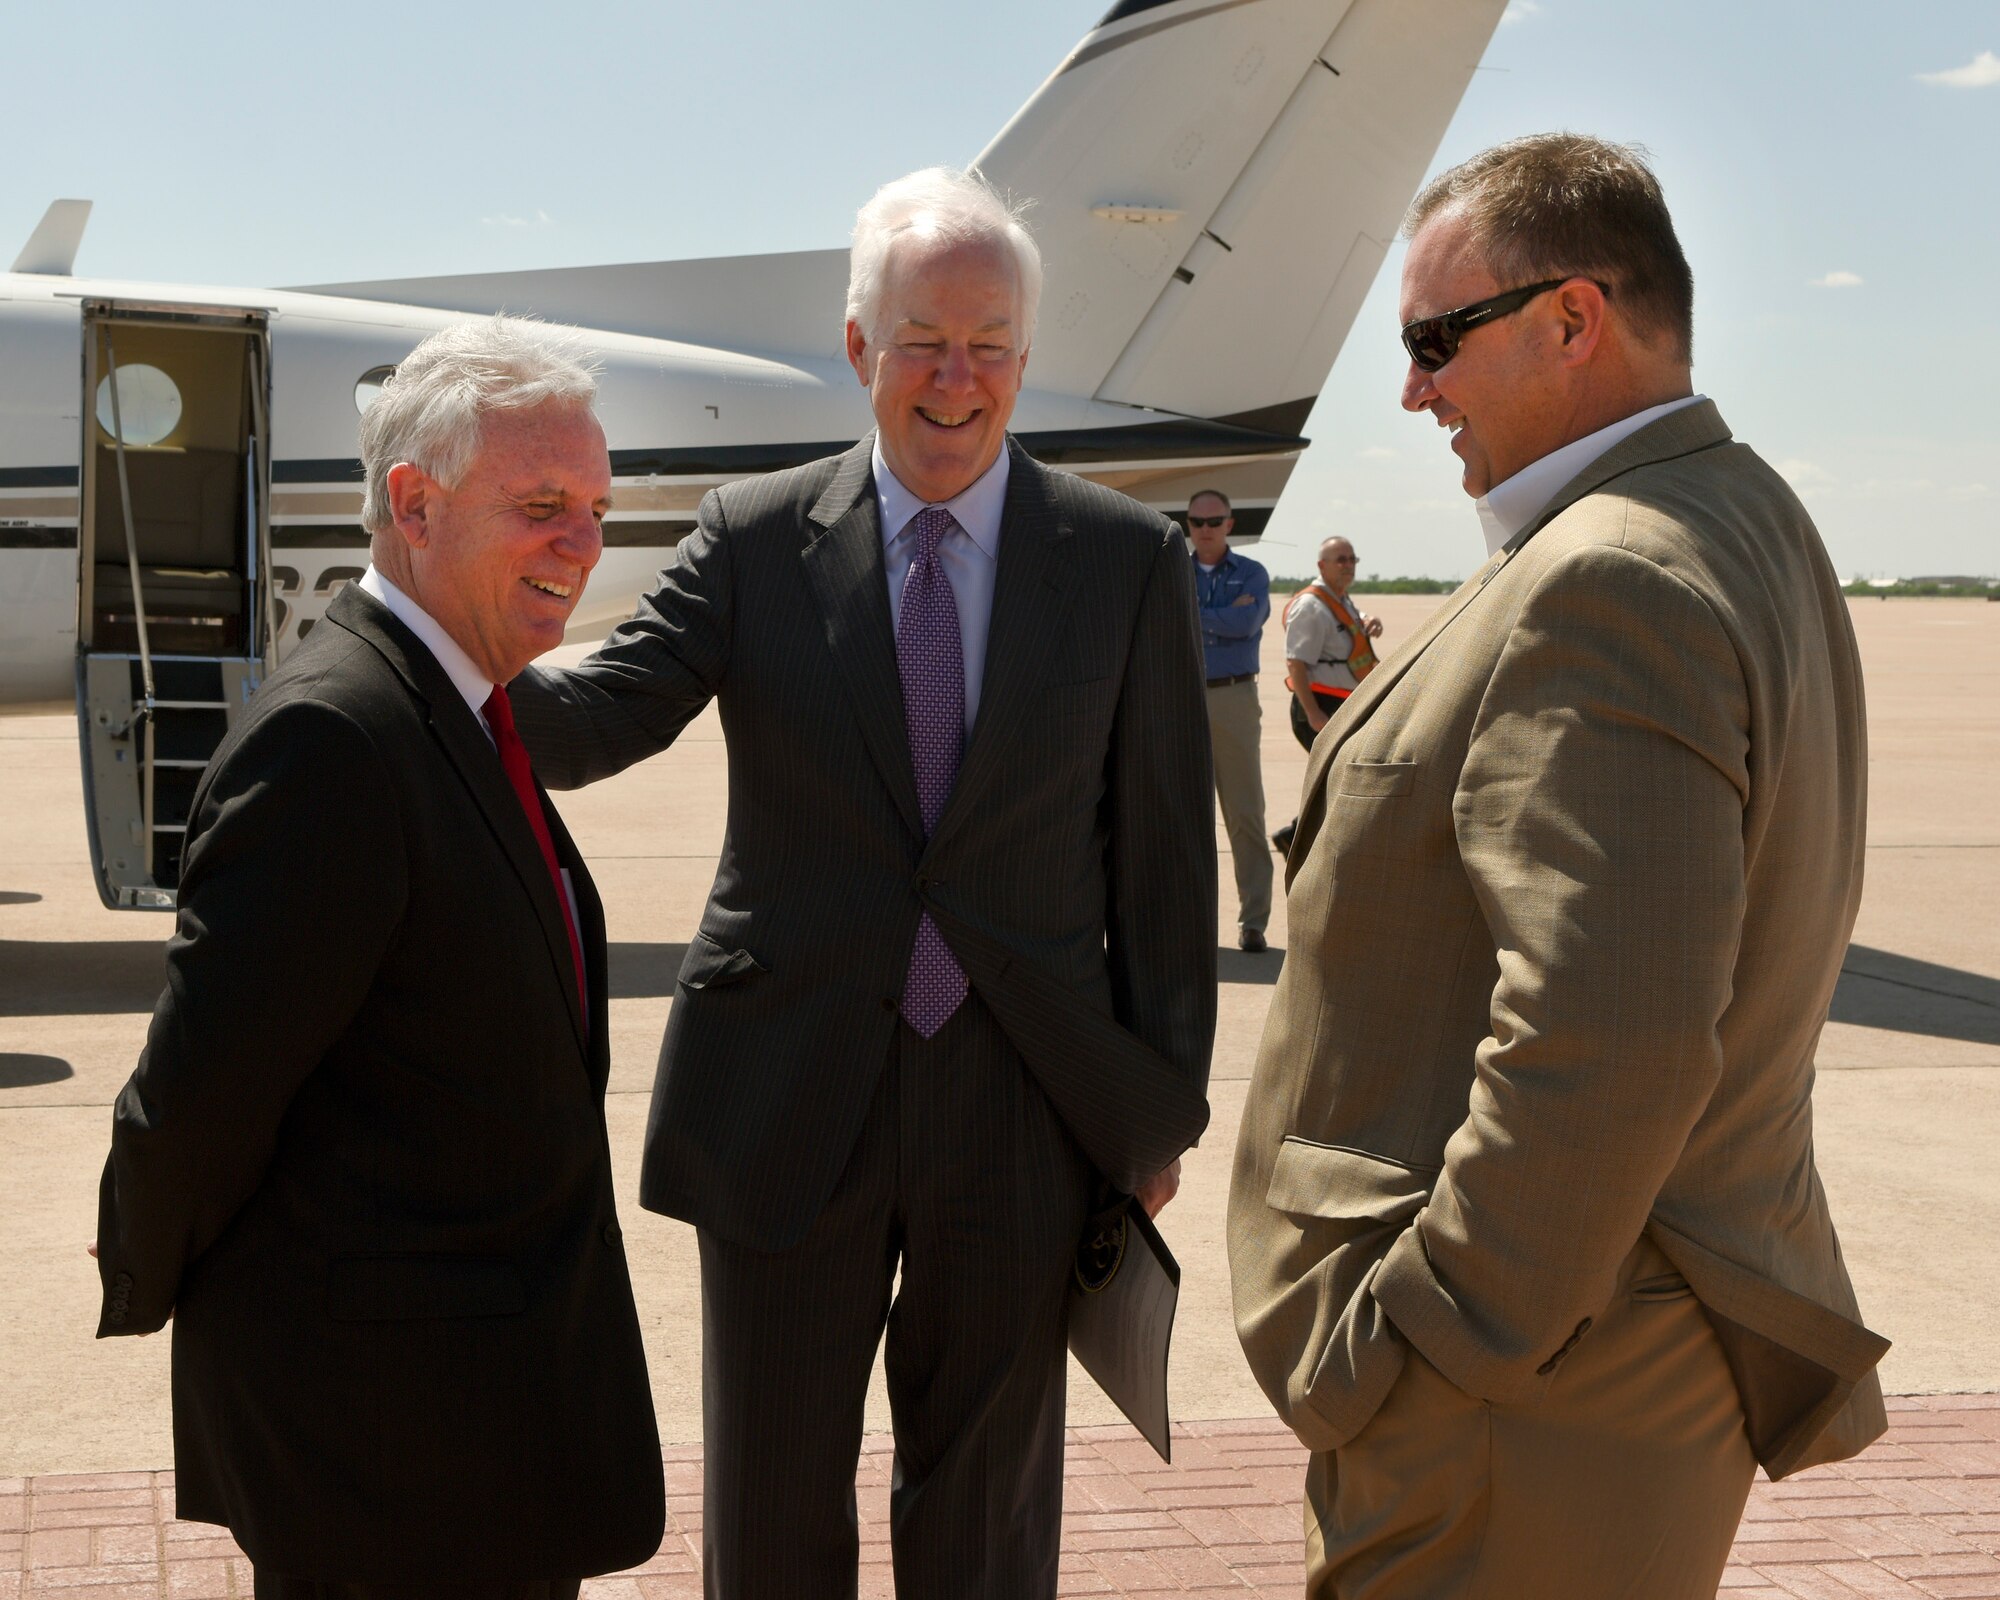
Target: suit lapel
[(471, 752), (590, 934), (845, 570), (1679, 433), (1355, 709), (1030, 598)]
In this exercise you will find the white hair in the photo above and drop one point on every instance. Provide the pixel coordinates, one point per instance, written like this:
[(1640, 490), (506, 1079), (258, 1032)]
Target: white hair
[(951, 207), (432, 410)]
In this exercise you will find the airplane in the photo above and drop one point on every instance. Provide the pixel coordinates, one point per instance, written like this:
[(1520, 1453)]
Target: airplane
[(1215, 185)]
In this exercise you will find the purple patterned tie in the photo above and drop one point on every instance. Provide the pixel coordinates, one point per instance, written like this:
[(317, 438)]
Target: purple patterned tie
[(931, 662)]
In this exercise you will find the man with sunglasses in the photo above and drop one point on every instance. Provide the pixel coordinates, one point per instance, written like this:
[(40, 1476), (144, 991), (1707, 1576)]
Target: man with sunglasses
[(1527, 1239), (1233, 597)]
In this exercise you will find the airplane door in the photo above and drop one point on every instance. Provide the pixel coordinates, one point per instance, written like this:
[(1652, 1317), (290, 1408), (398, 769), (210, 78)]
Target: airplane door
[(174, 576)]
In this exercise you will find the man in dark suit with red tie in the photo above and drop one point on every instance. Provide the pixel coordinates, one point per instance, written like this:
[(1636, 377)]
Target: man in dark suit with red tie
[(362, 1163)]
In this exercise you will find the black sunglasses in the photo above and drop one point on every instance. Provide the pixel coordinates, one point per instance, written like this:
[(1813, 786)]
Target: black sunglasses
[(1432, 341), (1206, 522)]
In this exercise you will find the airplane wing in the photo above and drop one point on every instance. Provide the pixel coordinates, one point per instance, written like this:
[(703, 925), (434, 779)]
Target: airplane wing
[(1215, 185)]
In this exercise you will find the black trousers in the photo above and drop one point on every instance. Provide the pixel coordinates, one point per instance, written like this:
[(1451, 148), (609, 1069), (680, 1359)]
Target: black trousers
[(277, 1586), (965, 1179), (1302, 730)]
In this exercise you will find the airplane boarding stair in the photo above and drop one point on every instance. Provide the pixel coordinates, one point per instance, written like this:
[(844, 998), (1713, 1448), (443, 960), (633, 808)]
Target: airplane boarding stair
[(174, 603)]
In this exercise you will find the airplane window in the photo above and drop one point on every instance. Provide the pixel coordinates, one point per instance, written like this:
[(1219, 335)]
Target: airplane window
[(369, 385), (149, 403)]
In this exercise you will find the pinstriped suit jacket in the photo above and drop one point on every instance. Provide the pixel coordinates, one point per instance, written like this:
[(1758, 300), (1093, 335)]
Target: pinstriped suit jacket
[(1073, 869), (1574, 875)]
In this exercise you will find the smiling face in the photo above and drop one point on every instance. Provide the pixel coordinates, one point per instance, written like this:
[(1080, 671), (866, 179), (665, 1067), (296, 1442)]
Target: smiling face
[(1501, 394), (943, 363), (500, 560)]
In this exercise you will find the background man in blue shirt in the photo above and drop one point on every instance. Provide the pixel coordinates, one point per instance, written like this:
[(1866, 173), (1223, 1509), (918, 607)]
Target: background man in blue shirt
[(1234, 594)]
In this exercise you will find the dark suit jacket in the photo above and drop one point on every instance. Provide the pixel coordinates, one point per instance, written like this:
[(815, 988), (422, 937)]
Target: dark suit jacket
[(1073, 869), (363, 1160)]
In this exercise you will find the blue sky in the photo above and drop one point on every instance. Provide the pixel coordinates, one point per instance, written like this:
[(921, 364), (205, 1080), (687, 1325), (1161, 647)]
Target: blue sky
[(1838, 207)]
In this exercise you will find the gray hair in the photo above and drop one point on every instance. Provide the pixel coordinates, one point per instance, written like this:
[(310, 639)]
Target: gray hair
[(432, 411), (952, 207)]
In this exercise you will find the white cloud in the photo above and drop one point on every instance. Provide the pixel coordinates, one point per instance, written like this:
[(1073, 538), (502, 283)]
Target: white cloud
[(541, 219), (1520, 11), (1981, 72), (1965, 492), (1377, 452), (1836, 279), (1802, 474)]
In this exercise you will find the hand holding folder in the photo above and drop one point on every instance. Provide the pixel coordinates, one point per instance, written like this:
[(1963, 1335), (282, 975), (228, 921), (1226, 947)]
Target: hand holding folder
[(1122, 1299)]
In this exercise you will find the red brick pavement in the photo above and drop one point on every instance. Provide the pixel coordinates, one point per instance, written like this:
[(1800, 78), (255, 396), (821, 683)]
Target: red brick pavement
[(1918, 1515)]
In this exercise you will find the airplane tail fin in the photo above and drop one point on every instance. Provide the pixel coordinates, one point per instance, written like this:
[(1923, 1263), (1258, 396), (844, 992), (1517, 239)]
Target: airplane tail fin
[(52, 247), (1216, 183)]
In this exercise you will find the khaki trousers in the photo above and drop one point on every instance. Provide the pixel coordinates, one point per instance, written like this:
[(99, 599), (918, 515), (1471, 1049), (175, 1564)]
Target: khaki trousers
[(1236, 737), (1626, 1481)]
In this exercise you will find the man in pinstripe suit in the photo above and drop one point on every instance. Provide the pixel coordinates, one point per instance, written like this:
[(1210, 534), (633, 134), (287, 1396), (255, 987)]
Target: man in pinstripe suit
[(956, 976)]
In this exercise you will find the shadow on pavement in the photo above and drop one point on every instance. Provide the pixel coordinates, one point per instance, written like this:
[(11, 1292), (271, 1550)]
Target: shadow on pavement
[(19, 897), (22, 1072), (1240, 966), (1879, 989), (644, 971), (81, 977), (96, 977)]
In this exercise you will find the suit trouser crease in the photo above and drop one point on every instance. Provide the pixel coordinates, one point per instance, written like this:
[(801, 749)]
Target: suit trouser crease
[(964, 1179)]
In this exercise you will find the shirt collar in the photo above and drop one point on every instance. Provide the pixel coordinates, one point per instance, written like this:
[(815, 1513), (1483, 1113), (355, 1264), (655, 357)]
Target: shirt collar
[(1506, 508), (976, 508), (466, 678)]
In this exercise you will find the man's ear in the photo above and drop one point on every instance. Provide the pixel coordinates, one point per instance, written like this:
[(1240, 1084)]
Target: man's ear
[(857, 351), (412, 498), (1582, 307)]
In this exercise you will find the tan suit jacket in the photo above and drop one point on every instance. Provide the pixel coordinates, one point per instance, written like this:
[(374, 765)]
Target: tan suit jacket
[(1574, 875)]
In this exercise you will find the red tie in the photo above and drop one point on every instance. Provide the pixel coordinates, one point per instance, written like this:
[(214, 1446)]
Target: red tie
[(499, 714)]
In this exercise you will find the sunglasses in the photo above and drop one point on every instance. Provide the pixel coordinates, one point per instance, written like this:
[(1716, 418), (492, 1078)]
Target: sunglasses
[(1432, 341), (1206, 522)]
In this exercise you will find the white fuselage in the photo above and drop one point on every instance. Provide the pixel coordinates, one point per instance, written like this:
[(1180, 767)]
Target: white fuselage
[(680, 418)]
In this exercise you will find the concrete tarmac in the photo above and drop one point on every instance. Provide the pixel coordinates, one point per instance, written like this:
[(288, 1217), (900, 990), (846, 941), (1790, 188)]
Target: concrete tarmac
[(1908, 1099)]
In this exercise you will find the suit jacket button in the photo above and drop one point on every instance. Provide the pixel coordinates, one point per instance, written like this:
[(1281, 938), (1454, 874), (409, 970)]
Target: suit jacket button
[(888, 1002), (123, 1280), (117, 1316), (612, 1233)]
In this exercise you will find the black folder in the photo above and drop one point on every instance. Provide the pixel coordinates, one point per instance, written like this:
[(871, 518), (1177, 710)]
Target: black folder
[(1122, 1298)]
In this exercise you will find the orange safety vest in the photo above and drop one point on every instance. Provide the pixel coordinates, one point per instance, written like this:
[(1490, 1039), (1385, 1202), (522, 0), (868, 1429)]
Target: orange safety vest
[(1360, 660)]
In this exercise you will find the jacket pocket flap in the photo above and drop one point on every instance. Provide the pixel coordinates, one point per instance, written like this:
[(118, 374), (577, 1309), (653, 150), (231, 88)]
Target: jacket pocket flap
[(1378, 777), (709, 965), (419, 1288), (1328, 1180)]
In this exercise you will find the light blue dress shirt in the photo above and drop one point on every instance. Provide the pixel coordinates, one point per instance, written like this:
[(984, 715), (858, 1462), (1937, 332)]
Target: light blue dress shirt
[(970, 556)]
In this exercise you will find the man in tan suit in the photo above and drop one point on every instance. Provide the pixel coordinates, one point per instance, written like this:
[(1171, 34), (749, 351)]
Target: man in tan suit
[(1525, 1231)]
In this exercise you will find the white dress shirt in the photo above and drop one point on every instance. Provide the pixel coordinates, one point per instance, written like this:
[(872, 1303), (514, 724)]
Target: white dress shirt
[(969, 555), (1506, 508), (466, 678)]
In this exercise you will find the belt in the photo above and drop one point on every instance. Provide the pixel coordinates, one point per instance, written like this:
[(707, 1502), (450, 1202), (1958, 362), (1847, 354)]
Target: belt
[(1236, 677)]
